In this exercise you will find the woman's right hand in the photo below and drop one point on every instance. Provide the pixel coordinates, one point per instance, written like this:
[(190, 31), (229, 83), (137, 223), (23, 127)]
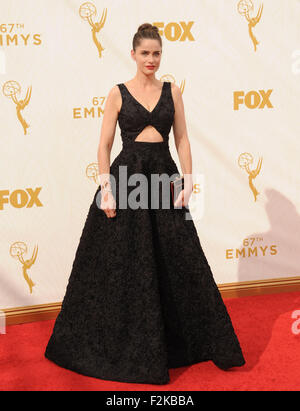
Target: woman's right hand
[(108, 204)]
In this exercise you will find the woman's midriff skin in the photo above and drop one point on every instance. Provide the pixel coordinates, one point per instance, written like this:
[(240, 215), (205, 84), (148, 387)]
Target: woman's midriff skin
[(150, 134)]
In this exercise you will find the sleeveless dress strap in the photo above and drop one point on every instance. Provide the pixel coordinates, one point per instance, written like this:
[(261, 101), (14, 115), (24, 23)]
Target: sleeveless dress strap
[(121, 87), (169, 87), (168, 94)]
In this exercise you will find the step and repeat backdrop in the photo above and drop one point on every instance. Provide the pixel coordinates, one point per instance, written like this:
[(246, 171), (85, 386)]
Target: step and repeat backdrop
[(238, 66)]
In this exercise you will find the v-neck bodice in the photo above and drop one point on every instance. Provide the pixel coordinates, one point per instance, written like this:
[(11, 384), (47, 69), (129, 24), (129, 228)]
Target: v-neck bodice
[(134, 117), (160, 97)]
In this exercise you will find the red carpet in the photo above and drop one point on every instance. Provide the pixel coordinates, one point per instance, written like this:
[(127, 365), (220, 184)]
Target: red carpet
[(263, 325)]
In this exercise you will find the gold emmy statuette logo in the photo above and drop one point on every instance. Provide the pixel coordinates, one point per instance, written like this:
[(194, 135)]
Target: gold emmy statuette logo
[(86, 12), (10, 89), (171, 79), (92, 172), (17, 250), (245, 159), (244, 8)]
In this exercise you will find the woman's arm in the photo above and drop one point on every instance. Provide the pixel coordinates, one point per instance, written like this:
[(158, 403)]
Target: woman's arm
[(107, 136), (182, 144), (108, 130)]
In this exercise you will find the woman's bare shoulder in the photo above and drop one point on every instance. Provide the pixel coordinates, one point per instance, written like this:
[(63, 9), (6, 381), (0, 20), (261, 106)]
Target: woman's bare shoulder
[(114, 91), (114, 97)]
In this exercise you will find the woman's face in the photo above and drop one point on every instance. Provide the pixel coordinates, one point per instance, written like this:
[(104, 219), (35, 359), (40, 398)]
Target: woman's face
[(147, 56)]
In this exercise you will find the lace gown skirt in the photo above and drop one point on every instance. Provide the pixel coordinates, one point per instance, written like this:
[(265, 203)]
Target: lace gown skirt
[(141, 297)]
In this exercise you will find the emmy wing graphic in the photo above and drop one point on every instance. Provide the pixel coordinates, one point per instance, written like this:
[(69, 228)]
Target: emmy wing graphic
[(244, 8), (10, 89), (86, 12), (17, 250), (92, 172), (245, 159)]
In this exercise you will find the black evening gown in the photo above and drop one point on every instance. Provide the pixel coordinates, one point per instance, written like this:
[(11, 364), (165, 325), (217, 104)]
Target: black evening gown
[(141, 297)]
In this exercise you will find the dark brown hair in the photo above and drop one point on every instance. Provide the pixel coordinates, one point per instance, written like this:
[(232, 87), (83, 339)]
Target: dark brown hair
[(146, 31)]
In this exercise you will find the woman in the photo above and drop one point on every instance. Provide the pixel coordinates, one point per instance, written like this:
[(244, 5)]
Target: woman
[(141, 297)]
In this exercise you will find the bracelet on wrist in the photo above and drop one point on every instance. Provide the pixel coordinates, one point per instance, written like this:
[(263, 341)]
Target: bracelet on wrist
[(106, 184)]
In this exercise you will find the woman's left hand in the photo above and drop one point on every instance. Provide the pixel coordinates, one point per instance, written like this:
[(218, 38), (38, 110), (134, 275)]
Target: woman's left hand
[(184, 196)]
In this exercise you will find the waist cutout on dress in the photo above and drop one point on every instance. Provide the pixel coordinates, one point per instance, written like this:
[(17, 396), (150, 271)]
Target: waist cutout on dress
[(145, 145)]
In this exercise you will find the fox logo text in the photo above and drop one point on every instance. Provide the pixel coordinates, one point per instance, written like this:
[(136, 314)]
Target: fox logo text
[(176, 31), (20, 198), (253, 99)]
